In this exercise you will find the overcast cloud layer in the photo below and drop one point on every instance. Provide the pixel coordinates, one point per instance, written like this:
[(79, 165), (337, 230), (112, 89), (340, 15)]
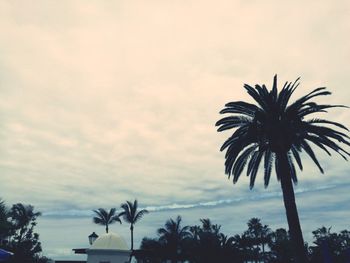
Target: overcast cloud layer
[(107, 101)]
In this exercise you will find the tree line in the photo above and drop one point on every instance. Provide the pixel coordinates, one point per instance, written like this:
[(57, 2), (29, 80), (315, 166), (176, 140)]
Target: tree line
[(205, 243), (17, 233)]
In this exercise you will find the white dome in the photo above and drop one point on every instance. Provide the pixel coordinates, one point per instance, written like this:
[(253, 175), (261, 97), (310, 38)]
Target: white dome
[(110, 241)]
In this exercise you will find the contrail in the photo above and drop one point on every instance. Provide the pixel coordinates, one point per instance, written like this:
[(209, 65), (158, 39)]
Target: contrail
[(175, 206)]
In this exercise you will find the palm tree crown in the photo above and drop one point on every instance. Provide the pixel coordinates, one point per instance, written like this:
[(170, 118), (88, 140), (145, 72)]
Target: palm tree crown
[(272, 127), (106, 218), (130, 213)]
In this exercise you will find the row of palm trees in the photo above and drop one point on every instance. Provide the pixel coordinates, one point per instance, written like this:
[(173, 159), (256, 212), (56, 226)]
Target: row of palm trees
[(129, 213), (205, 243)]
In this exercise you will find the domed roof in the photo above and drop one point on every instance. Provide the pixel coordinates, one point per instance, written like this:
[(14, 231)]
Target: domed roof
[(110, 241)]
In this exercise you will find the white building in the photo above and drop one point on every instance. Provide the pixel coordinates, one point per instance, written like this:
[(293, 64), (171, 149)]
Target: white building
[(108, 248)]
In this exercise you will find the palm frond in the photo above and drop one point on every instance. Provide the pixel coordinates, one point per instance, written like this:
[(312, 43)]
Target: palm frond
[(232, 152), (116, 219), (267, 167), (292, 171), (134, 208), (236, 136), (98, 221), (297, 104), (296, 156), (315, 109), (316, 120), (273, 92), (255, 168), (311, 153), (318, 142), (241, 162), (286, 93), (241, 107), (277, 169), (255, 95), (335, 147), (232, 122), (140, 214), (328, 132)]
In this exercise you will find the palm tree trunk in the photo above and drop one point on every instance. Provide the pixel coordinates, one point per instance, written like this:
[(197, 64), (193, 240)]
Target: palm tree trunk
[(132, 237), (132, 241), (291, 208), (263, 251), (107, 229)]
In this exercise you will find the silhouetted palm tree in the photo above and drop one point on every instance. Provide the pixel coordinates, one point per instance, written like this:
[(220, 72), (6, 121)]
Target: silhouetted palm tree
[(278, 132), (105, 218), (172, 234), (131, 216)]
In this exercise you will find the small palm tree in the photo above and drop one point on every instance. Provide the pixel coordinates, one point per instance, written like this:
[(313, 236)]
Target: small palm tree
[(131, 216), (105, 218), (276, 131)]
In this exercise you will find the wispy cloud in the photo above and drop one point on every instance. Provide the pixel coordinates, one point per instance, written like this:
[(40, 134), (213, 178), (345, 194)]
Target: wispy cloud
[(183, 206)]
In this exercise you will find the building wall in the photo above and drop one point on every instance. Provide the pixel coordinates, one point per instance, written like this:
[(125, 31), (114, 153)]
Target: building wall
[(108, 257)]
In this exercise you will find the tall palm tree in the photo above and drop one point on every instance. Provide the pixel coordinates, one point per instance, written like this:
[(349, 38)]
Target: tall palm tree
[(105, 218), (131, 216), (172, 234), (277, 131)]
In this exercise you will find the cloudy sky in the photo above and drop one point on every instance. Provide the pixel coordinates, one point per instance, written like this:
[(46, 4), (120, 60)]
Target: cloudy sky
[(107, 101)]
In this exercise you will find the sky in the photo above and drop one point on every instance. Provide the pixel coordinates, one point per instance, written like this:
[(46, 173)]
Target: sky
[(107, 101)]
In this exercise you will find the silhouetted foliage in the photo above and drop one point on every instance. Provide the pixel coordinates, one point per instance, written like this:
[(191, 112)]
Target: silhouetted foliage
[(5, 225), (330, 247), (258, 243), (203, 243), (17, 233), (275, 131), (172, 237), (280, 245)]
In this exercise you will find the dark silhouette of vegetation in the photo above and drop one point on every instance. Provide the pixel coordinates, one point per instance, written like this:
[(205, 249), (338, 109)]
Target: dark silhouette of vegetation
[(105, 218), (280, 245), (205, 243), (172, 236), (5, 225), (17, 233), (330, 247), (131, 216), (275, 131)]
